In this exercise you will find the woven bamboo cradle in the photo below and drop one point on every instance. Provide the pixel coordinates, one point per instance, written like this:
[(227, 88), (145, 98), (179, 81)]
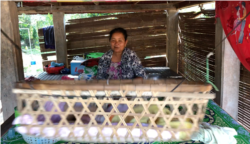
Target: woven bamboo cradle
[(192, 97)]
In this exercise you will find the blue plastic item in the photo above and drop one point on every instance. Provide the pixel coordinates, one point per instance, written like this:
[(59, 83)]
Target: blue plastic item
[(76, 67), (33, 63), (65, 71), (54, 64)]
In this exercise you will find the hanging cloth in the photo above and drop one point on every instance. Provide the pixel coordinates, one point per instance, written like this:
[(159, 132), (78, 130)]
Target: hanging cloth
[(231, 14), (49, 39)]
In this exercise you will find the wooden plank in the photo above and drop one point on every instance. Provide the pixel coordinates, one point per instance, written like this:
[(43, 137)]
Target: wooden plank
[(93, 33), (95, 8), (17, 52), (218, 61), (11, 60), (116, 16), (122, 17), (103, 48), (60, 38), (155, 59), (176, 1), (135, 45), (40, 32), (154, 64), (161, 86), (188, 4), (44, 56), (79, 28), (42, 49), (7, 124), (142, 53), (104, 41), (172, 33), (41, 41), (131, 32), (141, 36)]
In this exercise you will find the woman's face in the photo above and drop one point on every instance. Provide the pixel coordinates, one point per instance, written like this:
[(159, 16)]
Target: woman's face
[(118, 42)]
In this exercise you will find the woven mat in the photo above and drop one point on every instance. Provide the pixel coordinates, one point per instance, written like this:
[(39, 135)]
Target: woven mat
[(214, 115)]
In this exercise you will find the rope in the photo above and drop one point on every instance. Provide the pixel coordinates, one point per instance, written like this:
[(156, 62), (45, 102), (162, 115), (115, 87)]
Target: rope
[(207, 71), (16, 46), (178, 85), (212, 53)]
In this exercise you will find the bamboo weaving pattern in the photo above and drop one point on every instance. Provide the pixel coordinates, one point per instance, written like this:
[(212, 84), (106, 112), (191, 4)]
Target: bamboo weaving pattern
[(169, 117)]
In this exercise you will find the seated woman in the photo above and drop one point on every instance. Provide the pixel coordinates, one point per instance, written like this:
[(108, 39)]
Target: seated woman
[(120, 62)]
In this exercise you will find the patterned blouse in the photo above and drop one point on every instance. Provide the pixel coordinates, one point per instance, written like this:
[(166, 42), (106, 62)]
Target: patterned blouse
[(130, 65), (115, 70)]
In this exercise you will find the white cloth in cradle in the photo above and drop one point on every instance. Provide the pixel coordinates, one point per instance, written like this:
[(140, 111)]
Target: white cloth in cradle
[(212, 134)]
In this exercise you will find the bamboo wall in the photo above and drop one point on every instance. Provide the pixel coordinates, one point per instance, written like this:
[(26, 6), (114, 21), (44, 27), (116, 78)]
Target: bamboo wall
[(147, 35), (244, 98), (196, 40)]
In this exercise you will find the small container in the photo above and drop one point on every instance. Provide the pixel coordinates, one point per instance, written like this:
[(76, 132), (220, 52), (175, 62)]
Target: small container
[(76, 68), (53, 70)]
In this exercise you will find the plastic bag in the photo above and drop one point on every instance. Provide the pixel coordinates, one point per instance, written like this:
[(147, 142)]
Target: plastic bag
[(93, 70), (84, 76)]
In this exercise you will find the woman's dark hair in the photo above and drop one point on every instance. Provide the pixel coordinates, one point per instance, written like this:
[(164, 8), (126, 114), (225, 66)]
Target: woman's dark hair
[(243, 3), (118, 30), (237, 8)]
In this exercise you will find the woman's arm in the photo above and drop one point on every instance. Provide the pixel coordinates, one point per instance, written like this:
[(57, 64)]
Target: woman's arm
[(100, 73), (137, 67)]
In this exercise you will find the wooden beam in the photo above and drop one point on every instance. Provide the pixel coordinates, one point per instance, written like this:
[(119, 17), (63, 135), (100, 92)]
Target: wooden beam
[(227, 74), (177, 2), (131, 32), (95, 8), (192, 4), (7, 124), (17, 52), (172, 35), (96, 3), (104, 41), (119, 16), (109, 25), (11, 58), (136, 2), (60, 38), (218, 60)]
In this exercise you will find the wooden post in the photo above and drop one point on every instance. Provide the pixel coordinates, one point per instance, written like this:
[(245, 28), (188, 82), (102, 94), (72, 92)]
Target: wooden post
[(172, 39), (11, 57), (218, 59), (17, 52), (227, 73), (1, 113), (60, 38)]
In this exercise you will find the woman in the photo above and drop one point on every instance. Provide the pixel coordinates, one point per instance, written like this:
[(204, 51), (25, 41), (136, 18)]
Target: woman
[(119, 62)]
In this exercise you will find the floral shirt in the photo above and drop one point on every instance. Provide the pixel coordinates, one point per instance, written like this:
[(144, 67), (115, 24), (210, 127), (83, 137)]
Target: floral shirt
[(115, 70), (130, 65)]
